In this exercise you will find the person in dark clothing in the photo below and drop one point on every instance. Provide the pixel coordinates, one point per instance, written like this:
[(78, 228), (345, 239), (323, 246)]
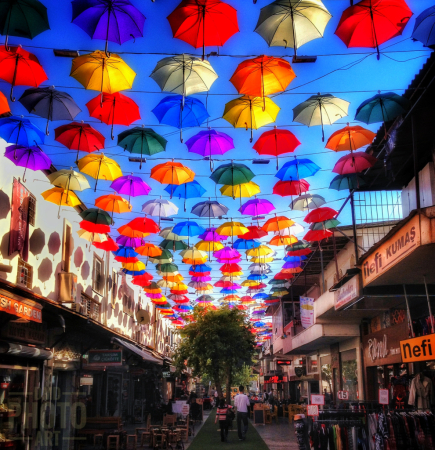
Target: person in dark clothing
[(222, 416)]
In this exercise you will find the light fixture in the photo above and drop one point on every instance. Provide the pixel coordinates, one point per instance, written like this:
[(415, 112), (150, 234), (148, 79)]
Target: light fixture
[(66, 53)]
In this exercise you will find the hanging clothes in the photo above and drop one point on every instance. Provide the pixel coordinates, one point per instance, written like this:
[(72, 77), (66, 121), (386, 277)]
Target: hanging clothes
[(421, 392)]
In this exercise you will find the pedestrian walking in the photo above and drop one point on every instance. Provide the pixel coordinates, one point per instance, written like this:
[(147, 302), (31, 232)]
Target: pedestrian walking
[(224, 415), (216, 398), (241, 402)]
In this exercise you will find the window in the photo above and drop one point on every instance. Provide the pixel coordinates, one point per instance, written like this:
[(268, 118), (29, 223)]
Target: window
[(66, 247), (25, 274), (32, 210), (98, 275), (114, 286), (90, 307)]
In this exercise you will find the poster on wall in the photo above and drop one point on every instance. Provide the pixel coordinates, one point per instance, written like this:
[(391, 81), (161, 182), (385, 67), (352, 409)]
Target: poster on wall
[(307, 311), (19, 235)]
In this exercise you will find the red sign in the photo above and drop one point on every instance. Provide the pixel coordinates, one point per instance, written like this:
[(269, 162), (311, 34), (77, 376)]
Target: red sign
[(283, 362), (19, 235), (21, 309), (276, 379)]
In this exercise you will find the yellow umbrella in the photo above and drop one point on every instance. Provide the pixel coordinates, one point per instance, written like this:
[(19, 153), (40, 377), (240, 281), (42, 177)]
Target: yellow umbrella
[(250, 112), (166, 283), (193, 253), (262, 250), (171, 277), (231, 298), (92, 237), (209, 246), (232, 274), (195, 262), (232, 229), (240, 190), (261, 259), (136, 266), (250, 283), (62, 197), (280, 241), (99, 167), (179, 286), (99, 72)]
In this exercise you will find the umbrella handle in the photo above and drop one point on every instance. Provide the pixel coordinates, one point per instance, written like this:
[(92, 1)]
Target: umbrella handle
[(113, 137), (181, 135), (47, 132), (11, 95)]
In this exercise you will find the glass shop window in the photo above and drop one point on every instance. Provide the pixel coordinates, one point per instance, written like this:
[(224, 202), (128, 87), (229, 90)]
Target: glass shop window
[(349, 373)]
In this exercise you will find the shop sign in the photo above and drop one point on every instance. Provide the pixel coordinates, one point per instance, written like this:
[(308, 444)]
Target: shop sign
[(383, 346), (384, 397), (343, 395), (347, 293), (87, 380), (307, 311), (299, 371), (312, 410), (166, 374), (32, 332), (418, 349), (281, 362), (317, 399), (276, 380), (21, 309), (392, 251), (105, 357)]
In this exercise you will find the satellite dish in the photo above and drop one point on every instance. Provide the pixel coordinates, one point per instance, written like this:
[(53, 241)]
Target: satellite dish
[(143, 317)]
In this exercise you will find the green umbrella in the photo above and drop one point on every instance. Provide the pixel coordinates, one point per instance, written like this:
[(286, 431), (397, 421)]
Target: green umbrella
[(142, 140), (22, 18), (165, 257), (173, 245), (232, 174), (325, 225), (274, 282), (96, 216), (300, 245), (167, 268), (344, 182), (163, 306), (205, 298)]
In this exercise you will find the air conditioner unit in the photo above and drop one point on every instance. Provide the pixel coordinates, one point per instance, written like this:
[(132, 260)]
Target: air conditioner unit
[(77, 307), (67, 287)]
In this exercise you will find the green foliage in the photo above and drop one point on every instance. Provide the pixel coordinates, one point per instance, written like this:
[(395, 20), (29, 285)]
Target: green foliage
[(244, 376)]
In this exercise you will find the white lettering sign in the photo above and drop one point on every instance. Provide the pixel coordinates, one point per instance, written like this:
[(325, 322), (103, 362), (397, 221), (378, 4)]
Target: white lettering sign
[(378, 349)]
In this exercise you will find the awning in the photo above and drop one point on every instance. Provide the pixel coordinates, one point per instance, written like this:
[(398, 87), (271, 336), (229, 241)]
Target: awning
[(146, 356), (24, 351)]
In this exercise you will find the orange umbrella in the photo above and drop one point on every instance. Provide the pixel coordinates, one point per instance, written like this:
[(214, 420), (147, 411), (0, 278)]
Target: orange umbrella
[(283, 240), (293, 270), (114, 203), (149, 250), (4, 106), (176, 277), (350, 138), (277, 223), (127, 230), (172, 173)]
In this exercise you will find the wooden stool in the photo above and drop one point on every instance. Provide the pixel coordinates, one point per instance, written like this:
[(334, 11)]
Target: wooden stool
[(98, 437), (145, 437), (112, 439), (131, 442)]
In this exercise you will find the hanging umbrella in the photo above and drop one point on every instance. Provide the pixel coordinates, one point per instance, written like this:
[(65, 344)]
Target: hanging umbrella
[(232, 174), (20, 68), (295, 187), (424, 27), (181, 112), (280, 241), (297, 169), (159, 208), (143, 141), (79, 136), (306, 202), (350, 138), (165, 257), (125, 252), (211, 235), (346, 182), (250, 112), (192, 189), (96, 216), (61, 197), (20, 131), (325, 225), (142, 280), (108, 246), (255, 232), (168, 234), (354, 162), (93, 238), (294, 229), (172, 173), (276, 142), (209, 209), (111, 20), (149, 250), (320, 215), (262, 250), (131, 186), (99, 167), (320, 110), (187, 228), (128, 231), (50, 104), (277, 223), (232, 229), (32, 158), (370, 23), (22, 18), (240, 190), (141, 224), (203, 23), (292, 23), (317, 235), (115, 204), (209, 246), (93, 228), (245, 244), (256, 207), (210, 142), (114, 109), (129, 242)]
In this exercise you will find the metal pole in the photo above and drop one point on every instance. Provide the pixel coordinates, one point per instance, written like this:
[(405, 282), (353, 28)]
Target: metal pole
[(321, 264), (415, 156), (428, 304), (355, 239), (409, 312)]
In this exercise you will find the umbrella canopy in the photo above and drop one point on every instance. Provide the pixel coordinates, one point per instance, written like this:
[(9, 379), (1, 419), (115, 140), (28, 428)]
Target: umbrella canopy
[(187, 190), (142, 224), (320, 110), (250, 112), (354, 162), (99, 167), (112, 20), (92, 237), (108, 246), (5, 111), (320, 215), (307, 201), (114, 203), (370, 23), (209, 208), (350, 138), (254, 233), (149, 250), (50, 104), (292, 23), (61, 197), (188, 229), (32, 158), (69, 179), (424, 30), (181, 112), (317, 235), (159, 208), (277, 223), (20, 131), (168, 234), (295, 187), (232, 174), (211, 235), (184, 74), (280, 241), (97, 216), (231, 229), (346, 182), (325, 225), (202, 23), (129, 241), (172, 244), (256, 207), (240, 190), (172, 173), (209, 246), (131, 186), (297, 169)]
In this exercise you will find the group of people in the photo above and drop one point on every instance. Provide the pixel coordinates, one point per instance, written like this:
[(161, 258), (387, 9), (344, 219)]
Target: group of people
[(225, 414)]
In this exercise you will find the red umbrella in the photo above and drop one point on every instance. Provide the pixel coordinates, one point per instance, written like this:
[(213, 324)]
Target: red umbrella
[(143, 225), (123, 259), (20, 68), (115, 109), (354, 162), (320, 214), (302, 252), (79, 136), (94, 227), (142, 280), (230, 268), (203, 22), (109, 246), (276, 142), (317, 235), (253, 233), (294, 187), (283, 276), (182, 301), (370, 23)]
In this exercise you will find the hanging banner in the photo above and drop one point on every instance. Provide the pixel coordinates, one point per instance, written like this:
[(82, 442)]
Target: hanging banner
[(19, 234), (307, 311)]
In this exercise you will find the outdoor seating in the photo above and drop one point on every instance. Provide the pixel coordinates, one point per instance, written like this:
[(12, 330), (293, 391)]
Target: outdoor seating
[(113, 442)]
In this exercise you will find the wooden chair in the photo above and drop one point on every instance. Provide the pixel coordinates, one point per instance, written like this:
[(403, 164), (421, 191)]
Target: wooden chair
[(291, 410), (185, 429), (113, 442), (131, 442), (169, 419), (275, 414), (285, 410)]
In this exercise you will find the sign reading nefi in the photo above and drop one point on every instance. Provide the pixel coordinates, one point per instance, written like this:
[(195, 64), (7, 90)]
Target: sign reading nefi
[(418, 349)]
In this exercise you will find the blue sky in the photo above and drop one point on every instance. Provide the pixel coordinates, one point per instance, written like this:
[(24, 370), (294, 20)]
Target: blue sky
[(356, 81)]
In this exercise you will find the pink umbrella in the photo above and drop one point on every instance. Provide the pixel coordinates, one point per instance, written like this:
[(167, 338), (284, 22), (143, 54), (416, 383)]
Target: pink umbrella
[(354, 162), (226, 253), (210, 235), (228, 260), (256, 207), (202, 279)]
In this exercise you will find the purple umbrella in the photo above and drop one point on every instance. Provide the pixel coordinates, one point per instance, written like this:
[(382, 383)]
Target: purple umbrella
[(226, 253), (210, 235), (129, 242), (228, 260), (256, 207), (131, 186), (210, 142), (202, 279), (112, 20), (28, 157)]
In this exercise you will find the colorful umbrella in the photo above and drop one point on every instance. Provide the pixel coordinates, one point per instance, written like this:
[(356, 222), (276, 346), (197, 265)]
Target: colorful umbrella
[(159, 208), (99, 167), (354, 162), (181, 112), (280, 240), (254, 233), (115, 204), (203, 23), (20, 68), (61, 197), (306, 202), (167, 233), (114, 109), (240, 190), (149, 250), (370, 23), (20, 131), (5, 111), (277, 223), (346, 182), (209, 246), (232, 229), (131, 186), (69, 179), (320, 215), (96, 216), (292, 23), (297, 169), (317, 235), (250, 112), (245, 244), (187, 228), (32, 158), (211, 235), (172, 173), (320, 110), (232, 174), (192, 189), (350, 138), (91, 237), (424, 30), (325, 225), (294, 187), (142, 224), (112, 20), (163, 258), (50, 104), (142, 140), (256, 207), (209, 209), (129, 242), (108, 246)]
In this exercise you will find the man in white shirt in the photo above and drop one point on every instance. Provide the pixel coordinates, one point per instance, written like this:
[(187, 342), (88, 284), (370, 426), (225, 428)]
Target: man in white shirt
[(241, 402)]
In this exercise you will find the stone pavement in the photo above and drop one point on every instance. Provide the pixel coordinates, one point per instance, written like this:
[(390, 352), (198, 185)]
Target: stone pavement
[(278, 436)]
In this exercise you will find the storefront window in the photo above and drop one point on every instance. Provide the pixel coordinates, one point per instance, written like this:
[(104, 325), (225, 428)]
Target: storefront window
[(326, 378), (312, 366), (349, 374)]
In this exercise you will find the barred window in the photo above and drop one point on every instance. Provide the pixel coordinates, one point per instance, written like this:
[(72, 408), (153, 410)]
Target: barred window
[(32, 210), (25, 274), (98, 275), (90, 307)]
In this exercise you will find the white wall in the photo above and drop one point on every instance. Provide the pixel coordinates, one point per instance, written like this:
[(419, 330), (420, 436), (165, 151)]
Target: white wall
[(427, 190)]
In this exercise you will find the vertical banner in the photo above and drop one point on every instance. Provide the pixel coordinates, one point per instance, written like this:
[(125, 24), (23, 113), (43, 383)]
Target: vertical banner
[(19, 234), (307, 311)]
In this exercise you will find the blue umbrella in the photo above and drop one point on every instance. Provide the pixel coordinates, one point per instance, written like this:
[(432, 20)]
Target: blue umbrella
[(297, 169), (295, 258), (191, 189), (346, 182), (181, 112), (125, 252), (424, 30), (133, 272), (259, 324), (260, 296), (20, 131), (246, 244), (187, 229), (228, 291), (257, 277), (200, 268)]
